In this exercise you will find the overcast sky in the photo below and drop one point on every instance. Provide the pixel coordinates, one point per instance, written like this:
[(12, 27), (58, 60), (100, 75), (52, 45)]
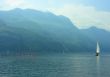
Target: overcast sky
[(83, 13)]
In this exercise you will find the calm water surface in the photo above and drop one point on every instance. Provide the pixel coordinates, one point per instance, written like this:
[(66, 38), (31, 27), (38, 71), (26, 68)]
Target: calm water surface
[(55, 66)]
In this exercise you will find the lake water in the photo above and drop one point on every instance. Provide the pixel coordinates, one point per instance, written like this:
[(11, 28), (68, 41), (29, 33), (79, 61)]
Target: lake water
[(55, 66)]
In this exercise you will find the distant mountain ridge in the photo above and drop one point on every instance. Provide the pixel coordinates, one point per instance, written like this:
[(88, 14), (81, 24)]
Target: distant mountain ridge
[(31, 31), (99, 35)]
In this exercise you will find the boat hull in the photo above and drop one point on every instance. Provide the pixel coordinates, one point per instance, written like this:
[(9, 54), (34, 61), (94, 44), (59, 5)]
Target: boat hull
[(97, 54)]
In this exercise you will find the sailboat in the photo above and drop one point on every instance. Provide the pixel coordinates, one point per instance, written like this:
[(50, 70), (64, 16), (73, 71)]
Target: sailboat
[(98, 49)]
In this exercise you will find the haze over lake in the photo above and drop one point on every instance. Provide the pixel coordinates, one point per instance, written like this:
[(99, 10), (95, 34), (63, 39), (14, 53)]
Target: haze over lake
[(54, 38)]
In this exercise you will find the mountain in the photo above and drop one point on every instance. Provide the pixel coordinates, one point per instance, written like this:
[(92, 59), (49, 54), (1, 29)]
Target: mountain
[(99, 35), (30, 31)]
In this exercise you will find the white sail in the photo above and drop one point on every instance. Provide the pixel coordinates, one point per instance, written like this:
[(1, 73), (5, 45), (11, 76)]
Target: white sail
[(98, 48)]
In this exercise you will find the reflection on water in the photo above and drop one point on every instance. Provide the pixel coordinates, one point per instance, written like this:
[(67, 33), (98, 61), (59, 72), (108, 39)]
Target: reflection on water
[(55, 66), (98, 65)]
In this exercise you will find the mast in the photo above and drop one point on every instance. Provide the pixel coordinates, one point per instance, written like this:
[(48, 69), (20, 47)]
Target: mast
[(98, 49)]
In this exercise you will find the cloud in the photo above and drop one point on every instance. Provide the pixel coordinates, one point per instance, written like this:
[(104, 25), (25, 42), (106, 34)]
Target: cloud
[(10, 4), (33, 4), (84, 16)]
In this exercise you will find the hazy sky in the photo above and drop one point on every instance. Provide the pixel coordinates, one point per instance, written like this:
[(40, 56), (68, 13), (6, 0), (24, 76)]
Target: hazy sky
[(83, 13)]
